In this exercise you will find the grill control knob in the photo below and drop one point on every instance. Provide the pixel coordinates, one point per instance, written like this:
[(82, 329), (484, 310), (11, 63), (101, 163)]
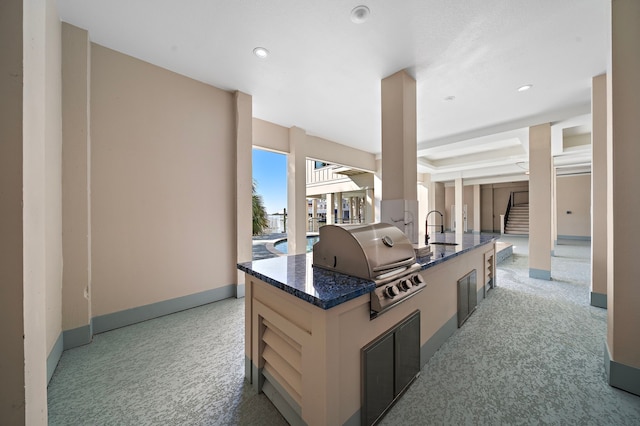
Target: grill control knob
[(416, 280), (404, 285), (391, 292)]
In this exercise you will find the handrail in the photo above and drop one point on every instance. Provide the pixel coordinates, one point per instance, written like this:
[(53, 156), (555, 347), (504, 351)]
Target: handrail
[(506, 214)]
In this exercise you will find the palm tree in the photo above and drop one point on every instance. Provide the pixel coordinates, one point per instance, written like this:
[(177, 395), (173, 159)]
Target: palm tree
[(260, 221)]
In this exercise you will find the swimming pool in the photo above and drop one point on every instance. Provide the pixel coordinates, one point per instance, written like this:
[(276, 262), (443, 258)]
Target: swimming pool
[(281, 245)]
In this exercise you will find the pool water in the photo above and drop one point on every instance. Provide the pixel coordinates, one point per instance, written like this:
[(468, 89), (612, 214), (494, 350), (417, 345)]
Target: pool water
[(281, 245)]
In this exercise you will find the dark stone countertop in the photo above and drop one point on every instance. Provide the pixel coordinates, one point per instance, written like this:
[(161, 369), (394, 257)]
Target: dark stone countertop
[(326, 289)]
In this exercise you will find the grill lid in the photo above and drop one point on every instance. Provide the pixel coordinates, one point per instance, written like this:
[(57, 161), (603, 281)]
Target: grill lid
[(378, 251)]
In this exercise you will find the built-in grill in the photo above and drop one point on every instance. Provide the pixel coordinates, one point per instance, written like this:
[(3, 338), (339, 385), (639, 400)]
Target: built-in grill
[(379, 252)]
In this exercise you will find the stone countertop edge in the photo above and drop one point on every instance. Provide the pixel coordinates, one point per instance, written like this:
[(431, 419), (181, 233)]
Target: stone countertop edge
[(295, 275)]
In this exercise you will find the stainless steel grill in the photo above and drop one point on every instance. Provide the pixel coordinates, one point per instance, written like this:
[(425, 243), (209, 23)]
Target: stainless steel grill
[(379, 252)]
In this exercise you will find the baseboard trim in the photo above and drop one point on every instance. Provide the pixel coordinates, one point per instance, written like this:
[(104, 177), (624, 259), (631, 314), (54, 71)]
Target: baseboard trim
[(78, 336), (621, 376), (439, 337), (540, 274), (239, 291), (54, 356), (573, 237), (598, 300), (279, 397), (138, 314)]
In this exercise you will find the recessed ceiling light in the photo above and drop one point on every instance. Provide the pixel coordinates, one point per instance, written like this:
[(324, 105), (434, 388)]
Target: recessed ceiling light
[(359, 14), (261, 52), (450, 98), (525, 87)]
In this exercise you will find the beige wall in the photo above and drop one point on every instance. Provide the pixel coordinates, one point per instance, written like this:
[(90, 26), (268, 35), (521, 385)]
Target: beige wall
[(573, 193), (12, 385), (162, 184)]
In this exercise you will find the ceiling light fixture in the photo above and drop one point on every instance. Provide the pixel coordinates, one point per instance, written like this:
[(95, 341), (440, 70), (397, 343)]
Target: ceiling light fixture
[(261, 52), (360, 14), (450, 98), (525, 87)]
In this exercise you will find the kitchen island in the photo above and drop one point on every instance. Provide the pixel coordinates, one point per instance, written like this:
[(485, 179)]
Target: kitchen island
[(306, 327)]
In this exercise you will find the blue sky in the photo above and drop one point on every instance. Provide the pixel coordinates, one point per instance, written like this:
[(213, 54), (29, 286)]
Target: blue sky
[(270, 175)]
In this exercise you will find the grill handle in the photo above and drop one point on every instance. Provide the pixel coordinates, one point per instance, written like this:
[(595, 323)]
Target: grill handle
[(407, 261)]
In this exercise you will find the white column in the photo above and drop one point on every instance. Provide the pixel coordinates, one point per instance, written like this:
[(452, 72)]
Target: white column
[(540, 201), (377, 191), (296, 192), (369, 206), (330, 206), (424, 181), (339, 213), (314, 214)]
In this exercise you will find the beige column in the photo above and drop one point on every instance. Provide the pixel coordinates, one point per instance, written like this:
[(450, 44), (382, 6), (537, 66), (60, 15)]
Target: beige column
[(459, 214), (339, 214), (439, 198), (554, 209), (12, 315), (244, 182), (76, 185), (369, 206), (540, 201), (399, 145), (622, 354), (477, 208), (599, 191), (330, 206), (296, 192)]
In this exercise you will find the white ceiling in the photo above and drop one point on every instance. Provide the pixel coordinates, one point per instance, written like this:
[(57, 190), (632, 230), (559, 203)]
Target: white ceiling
[(323, 73)]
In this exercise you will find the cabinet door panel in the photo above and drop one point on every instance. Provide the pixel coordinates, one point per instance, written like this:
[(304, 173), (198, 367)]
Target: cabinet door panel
[(378, 378), (407, 351)]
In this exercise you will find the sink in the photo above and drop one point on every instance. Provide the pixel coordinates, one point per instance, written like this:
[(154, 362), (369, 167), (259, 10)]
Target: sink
[(442, 243)]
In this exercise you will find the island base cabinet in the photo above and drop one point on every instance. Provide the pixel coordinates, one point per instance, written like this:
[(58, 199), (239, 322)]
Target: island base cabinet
[(390, 363)]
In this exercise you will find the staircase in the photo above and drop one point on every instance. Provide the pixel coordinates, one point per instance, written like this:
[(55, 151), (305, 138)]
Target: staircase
[(518, 220)]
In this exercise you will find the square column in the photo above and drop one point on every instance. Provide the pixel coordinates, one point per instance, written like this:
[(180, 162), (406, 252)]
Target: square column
[(599, 220), (399, 205), (296, 192), (476, 209), (244, 183), (540, 201), (330, 206), (622, 353), (369, 206), (459, 213)]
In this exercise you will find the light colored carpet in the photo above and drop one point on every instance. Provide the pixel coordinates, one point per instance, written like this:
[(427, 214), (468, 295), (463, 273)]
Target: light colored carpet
[(532, 353)]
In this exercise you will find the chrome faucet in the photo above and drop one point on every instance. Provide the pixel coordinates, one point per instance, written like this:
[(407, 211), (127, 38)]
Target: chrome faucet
[(426, 225)]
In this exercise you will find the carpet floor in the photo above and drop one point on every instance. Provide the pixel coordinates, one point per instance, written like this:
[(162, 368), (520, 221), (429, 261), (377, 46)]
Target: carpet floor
[(532, 353)]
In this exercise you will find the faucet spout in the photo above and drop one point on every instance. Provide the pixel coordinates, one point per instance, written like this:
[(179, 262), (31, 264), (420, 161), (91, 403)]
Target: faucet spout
[(426, 224)]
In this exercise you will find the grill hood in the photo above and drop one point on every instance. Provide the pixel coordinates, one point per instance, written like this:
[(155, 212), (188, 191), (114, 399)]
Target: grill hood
[(379, 251)]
